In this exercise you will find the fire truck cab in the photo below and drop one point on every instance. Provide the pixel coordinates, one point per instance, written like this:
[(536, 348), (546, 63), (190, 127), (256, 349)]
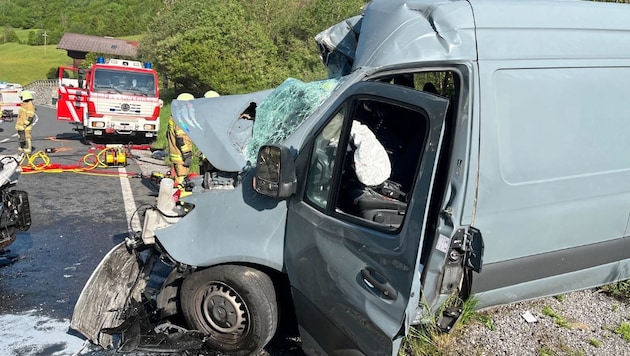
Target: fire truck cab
[(112, 99)]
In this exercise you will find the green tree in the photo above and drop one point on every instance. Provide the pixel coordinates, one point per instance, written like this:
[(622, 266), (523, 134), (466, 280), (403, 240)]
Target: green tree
[(241, 46), (203, 45)]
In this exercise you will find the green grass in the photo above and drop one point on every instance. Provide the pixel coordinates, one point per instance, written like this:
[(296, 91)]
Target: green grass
[(560, 321), (24, 64), (624, 331), (619, 290), (427, 339), (23, 34), (594, 342)]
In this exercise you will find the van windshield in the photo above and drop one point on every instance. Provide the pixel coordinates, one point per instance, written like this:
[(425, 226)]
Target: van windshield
[(284, 110)]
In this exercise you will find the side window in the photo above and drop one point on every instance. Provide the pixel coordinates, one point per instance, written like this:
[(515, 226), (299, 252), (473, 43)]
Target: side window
[(442, 83), (379, 166), (383, 145), (322, 164)]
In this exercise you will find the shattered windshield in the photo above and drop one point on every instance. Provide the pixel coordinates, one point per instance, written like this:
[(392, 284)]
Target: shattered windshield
[(282, 112)]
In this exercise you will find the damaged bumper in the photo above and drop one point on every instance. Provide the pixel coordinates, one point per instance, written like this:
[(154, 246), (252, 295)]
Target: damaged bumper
[(114, 285)]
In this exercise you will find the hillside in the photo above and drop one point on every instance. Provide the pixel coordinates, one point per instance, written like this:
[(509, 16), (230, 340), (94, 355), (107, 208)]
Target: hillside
[(23, 64)]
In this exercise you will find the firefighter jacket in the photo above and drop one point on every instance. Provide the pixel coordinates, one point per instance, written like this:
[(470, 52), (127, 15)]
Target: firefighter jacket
[(179, 144), (26, 116)]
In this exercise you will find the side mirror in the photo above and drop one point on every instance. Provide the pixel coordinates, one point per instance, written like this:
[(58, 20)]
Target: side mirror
[(275, 172), (81, 77)]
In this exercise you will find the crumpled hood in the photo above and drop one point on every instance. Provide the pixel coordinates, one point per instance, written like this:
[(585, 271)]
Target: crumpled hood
[(214, 125)]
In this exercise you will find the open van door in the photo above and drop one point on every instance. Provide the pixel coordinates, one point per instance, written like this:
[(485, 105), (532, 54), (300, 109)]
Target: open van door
[(352, 251), (71, 98)]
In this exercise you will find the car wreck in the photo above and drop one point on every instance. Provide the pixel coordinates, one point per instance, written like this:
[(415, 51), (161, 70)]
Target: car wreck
[(444, 156)]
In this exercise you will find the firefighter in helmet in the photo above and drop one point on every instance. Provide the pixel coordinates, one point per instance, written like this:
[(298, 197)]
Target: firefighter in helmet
[(25, 121), (179, 147)]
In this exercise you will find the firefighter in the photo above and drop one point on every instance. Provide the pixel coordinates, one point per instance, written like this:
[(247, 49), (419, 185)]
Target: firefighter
[(179, 147), (25, 120)]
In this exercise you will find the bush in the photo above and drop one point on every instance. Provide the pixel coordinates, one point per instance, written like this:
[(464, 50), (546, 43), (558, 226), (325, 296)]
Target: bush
[(35, 38), (9, 35), (53, 73)]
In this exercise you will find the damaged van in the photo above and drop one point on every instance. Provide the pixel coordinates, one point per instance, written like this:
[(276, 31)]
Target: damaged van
[(458, 148)]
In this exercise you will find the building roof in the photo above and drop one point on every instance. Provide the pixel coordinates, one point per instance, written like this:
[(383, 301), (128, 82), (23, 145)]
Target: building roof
[(97, 44)]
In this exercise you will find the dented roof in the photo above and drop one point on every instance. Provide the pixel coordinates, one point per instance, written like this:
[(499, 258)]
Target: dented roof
[(411, 31)]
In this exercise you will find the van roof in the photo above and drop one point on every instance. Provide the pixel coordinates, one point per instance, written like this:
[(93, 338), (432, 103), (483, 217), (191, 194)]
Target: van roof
[(425, 30)]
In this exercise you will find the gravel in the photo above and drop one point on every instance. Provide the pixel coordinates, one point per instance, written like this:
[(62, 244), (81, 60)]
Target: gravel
[(591, 318)]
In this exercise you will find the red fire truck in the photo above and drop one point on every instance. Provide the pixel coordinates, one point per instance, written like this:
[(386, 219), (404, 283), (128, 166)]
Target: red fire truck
[(114, 99)]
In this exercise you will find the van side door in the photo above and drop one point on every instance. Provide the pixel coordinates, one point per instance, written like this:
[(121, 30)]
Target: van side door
[(352, 250)]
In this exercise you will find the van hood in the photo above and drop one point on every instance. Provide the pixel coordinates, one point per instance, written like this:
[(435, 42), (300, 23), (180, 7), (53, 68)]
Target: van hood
[(215, 126)]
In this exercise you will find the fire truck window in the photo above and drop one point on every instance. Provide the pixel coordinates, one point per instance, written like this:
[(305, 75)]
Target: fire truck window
[(102, 80)]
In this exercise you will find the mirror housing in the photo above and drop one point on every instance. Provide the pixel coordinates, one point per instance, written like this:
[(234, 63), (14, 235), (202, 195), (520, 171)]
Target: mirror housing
[(275, 172), (81, 77)]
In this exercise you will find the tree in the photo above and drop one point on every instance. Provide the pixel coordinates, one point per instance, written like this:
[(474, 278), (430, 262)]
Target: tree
[(203, 45), (241, 46)]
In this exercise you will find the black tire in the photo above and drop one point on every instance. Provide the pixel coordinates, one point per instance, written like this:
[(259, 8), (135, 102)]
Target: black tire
[(235, 306)]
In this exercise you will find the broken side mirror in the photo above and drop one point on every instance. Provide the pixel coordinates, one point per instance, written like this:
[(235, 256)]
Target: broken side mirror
[(275, 172)]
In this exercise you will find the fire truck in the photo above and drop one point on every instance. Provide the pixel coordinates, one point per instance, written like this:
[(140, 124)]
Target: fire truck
[(10, 101), (113, 99)]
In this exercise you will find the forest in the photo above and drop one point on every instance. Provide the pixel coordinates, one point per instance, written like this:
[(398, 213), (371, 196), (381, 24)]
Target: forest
[(231, 46)]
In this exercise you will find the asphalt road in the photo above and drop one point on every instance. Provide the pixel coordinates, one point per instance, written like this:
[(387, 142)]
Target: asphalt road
[(76, 219)]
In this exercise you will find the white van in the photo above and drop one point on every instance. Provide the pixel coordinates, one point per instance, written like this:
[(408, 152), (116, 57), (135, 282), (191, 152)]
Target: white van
[(10, 100), (504, 123)]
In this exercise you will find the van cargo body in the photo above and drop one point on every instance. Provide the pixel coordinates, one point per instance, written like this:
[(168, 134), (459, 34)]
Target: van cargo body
[(499, 127)]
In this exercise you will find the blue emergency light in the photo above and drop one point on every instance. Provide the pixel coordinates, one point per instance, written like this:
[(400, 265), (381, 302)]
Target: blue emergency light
[(147, 65), (100, 60)]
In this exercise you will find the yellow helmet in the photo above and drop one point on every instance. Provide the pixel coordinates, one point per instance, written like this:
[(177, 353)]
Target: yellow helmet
[(185, 96), (26, 95), (210, 94)]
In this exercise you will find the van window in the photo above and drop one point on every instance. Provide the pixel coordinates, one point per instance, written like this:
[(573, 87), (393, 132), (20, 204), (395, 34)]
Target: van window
[(323, 161), (365, 171)]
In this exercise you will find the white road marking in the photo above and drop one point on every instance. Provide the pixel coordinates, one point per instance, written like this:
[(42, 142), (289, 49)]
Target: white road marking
[(130, 204), (9, 138)]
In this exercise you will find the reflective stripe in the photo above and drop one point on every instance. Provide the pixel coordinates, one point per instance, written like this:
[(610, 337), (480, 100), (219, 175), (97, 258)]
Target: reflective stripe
[(73, 112)]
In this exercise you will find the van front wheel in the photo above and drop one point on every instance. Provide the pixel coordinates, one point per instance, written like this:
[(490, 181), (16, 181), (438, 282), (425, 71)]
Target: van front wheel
[(234, 305)]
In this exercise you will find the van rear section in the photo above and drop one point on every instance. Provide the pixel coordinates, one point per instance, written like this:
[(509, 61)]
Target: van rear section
[(553, 194)]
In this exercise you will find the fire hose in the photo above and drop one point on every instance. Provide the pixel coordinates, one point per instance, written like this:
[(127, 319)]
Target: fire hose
[(92, 163)]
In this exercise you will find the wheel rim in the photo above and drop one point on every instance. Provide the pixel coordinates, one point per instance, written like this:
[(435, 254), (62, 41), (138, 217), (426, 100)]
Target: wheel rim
[(225, 313)]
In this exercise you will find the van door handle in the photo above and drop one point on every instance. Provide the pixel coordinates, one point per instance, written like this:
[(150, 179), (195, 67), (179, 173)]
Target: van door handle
[(376, 281)]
